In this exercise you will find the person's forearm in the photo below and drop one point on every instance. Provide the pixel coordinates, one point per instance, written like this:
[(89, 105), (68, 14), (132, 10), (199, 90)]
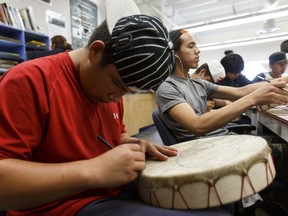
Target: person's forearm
[(250, 88), (205, 123), (245, 90), (221, 103), (222, 116), (234, 93), (26, 184)]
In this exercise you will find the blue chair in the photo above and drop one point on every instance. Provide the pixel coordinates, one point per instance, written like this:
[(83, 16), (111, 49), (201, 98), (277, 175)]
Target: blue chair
[(165, 133), (168, 138)]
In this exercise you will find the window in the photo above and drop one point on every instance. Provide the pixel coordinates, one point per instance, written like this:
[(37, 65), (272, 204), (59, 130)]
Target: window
[(251, 69)]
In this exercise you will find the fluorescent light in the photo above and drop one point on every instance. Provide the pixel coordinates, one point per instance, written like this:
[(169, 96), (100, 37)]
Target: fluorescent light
[(268, 30), (268, 27), (197, 5), (243, 42), (237, 20)]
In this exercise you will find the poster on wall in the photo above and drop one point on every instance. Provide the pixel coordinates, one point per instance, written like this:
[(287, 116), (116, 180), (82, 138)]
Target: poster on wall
[(83, 21), (46, 1), (56, 24)]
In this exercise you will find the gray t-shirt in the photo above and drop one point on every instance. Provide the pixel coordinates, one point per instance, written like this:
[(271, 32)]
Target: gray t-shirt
[(175, 90)]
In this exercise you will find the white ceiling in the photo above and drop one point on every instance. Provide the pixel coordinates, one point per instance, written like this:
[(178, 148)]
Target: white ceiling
[(188, 13)]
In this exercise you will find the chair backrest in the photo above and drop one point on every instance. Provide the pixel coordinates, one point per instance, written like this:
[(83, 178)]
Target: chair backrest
[(165, 133)]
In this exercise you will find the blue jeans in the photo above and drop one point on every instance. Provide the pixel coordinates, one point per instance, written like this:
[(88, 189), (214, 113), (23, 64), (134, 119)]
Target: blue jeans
[(128, 204)]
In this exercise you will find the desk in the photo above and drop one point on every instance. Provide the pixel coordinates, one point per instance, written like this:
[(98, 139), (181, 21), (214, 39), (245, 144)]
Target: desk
[(275, 119)]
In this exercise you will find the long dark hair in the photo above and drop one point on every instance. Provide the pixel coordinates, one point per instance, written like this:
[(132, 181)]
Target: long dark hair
[(60, 41)]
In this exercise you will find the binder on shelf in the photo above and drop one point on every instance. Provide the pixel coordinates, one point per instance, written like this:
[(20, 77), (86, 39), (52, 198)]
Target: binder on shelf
[(9, 39), (18, 19), (36, 43), (31, 18), (5, 9), (11, 56), (28, 18), (3, 18), (4, 54), (11, 14), (8, 63), (25, 19)]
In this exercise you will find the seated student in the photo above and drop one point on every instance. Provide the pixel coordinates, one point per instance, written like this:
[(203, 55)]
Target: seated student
[(212, 72), (182, 101), (234, 65), (58, 44), (277, 64), (56, 113)]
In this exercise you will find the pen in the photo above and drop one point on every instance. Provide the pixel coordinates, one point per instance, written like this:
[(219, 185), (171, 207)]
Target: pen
[(264, 79), (104, 142)]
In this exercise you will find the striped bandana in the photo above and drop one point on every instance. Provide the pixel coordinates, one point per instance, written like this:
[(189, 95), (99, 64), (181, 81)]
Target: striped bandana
[(143, 52)]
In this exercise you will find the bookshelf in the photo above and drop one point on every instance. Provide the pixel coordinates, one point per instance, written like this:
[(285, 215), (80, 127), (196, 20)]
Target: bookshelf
[(14, 43)]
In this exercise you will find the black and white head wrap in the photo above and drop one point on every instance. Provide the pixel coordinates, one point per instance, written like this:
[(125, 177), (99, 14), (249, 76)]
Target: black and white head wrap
[(143, 51)]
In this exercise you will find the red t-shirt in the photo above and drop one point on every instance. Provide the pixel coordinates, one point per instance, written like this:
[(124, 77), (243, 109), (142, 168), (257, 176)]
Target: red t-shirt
[(46, 117)]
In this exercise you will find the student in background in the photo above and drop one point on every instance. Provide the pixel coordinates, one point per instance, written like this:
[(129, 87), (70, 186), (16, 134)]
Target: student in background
[(284, 46), (234, 65), (58, 44), (212, 72), (182, 101), (277, 64)]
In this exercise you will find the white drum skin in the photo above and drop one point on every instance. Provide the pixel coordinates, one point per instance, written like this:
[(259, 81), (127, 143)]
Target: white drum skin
[(208, 172)]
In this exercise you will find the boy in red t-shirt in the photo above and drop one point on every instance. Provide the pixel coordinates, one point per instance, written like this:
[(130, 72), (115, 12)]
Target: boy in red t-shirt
[(63, 145)]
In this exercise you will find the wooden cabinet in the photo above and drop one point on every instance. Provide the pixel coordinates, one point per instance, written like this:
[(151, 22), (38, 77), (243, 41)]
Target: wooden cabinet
[(14, 43), (138, 110)]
